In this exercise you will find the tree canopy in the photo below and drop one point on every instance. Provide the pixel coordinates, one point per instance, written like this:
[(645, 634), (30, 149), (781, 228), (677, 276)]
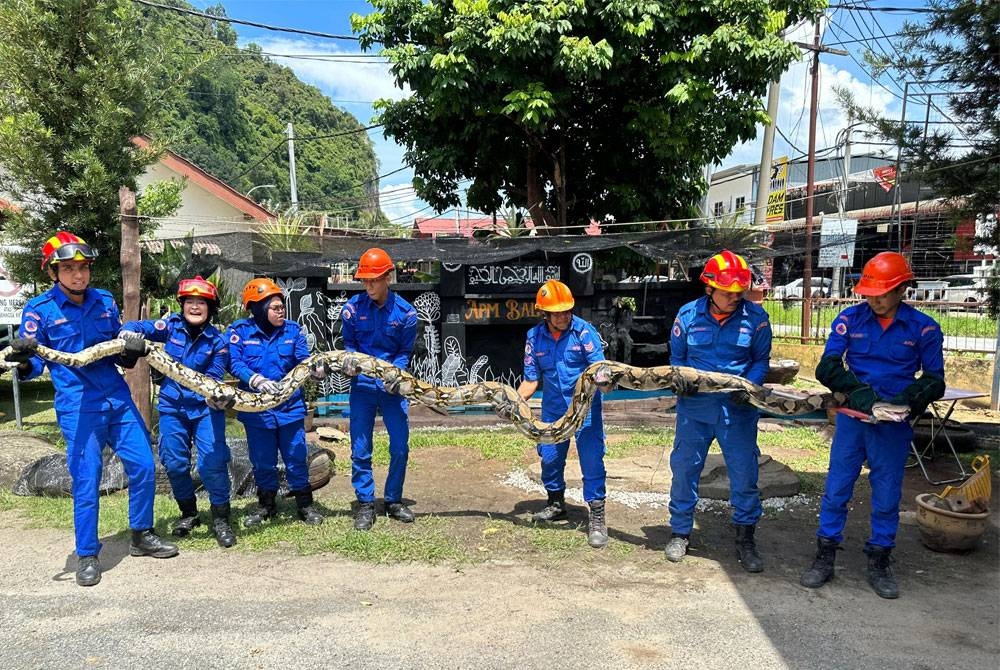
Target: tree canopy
[(575, 109)]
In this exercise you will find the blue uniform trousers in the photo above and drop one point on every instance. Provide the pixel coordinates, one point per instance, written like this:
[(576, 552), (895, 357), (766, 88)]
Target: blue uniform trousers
[(364, 402), (886, 447), (738, 439), (208, 431), (86, 434), (264, 445), (590, 449)]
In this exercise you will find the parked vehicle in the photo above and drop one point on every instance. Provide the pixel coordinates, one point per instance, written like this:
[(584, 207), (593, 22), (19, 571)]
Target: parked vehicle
[(965, 289), (821, 287)]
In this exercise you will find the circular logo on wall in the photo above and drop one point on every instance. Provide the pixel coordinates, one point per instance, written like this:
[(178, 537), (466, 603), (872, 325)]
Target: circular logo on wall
[(583, 263), (452, 267)]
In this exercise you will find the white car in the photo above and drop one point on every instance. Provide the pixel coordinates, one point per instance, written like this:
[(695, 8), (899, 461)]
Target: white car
[(965, 289), (793, 290)]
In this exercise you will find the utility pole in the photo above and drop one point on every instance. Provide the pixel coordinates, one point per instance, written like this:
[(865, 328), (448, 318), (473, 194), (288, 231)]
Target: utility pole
[(764, 179), (816, 48), (292, 186), (842, 200)]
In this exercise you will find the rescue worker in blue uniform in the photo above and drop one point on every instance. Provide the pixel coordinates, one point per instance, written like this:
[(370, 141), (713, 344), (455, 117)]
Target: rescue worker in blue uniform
[(557, 351), (884, 343), (720, 332), (93, 404), (382, 324), (186, 416), (262, 350)]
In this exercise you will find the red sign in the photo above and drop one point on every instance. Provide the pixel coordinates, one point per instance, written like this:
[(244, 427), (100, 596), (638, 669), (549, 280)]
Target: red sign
[(885, 176)]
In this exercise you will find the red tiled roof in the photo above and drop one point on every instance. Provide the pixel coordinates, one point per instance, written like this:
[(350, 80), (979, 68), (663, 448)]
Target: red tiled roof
[(444, 225)]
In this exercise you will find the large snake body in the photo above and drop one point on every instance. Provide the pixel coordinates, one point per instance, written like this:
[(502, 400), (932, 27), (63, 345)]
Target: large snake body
[(502, 398)]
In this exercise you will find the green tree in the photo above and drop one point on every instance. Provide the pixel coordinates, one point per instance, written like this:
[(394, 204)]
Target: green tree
[(79, 83), (958, 47), (575, 109)]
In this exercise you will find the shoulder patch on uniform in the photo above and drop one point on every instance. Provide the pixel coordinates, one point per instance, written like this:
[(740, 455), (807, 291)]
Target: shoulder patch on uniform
[(159, 324), (677, 329), (234, 338), (30, 326), (840, 328), (345, 313)]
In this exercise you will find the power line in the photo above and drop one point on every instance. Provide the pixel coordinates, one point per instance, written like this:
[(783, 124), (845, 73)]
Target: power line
[(253, 24)]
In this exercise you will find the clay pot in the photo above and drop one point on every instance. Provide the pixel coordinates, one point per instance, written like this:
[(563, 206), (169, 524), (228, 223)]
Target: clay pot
[(944, 530)]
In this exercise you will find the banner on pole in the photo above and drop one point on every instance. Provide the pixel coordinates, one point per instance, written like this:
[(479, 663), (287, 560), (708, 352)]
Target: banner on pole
[(776, 196)]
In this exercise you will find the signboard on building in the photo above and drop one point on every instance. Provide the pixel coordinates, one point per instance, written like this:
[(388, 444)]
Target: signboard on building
[(836, 242), (508, 278), (12, 295), (776, 196)]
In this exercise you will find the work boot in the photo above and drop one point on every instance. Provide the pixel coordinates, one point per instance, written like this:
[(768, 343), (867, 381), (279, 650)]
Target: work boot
[(267, 509), (148, 543), (189, 517), (399, 512), (307, 513), (88, 571), (677, 548), (879, 571), (821, 570), (221, 527), (597, 529), (746, 549), (555, 510), (364, 519)]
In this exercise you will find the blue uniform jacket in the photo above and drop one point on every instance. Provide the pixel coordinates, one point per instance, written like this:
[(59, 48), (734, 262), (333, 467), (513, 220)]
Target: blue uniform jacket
[(387, 333), (559, 364), (208, 354), (887, 360), (59, 323), (252, 352), (740, 345)]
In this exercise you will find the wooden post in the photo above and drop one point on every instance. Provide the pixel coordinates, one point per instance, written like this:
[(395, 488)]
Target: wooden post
[(131, 259)]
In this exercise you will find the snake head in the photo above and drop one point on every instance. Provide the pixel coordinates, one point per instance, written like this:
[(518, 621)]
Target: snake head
[(605, 378)]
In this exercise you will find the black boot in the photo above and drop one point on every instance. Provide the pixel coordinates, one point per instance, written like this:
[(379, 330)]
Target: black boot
[(221, 527), (746, 549), (267, 509), (364, 519), (309, 514), (88, 571), (555, 510), (879, 571), (597, 529), (189, 517), (821, 570), (148, 543), (399, 512)]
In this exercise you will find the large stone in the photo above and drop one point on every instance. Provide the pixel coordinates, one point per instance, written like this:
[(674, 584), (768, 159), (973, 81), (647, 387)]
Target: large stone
[(775, 480), (18, 450)]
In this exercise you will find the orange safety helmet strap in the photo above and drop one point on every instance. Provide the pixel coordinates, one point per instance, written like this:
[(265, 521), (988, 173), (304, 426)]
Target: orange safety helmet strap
[(727, 271), (374, 263), (64, 246), (883, 273), (198, 287), (554, 296), (259, 289)]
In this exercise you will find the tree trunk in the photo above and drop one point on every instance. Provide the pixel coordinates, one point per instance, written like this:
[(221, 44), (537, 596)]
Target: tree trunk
[(541, 217), (131, 259)]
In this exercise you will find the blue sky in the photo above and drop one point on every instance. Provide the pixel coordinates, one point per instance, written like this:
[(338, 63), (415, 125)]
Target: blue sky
[(354, 83)]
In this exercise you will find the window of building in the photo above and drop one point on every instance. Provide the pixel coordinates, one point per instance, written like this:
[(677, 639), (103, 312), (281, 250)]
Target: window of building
[(717, 209), (741, 203)]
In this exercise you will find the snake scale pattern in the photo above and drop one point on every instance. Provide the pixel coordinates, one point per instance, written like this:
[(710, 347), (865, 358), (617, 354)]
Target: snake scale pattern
[(502, 398)]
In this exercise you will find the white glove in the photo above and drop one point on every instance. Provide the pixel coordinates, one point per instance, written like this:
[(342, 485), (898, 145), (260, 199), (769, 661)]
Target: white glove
[(318, 371), (262, 384), (130, 335)]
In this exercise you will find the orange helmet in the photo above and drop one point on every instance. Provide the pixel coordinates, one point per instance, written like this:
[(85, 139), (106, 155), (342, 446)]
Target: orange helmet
[(197, 288), (883, 273), (554, 296), (374, 263), (259, 289), (65, 246), (727, 271)]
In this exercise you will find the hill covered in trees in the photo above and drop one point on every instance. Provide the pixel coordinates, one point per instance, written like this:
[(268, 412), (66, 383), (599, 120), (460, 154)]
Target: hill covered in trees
[(232, 115)]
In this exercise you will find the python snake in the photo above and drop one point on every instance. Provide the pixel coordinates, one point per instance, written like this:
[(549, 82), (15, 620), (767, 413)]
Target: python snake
[(502, 398)]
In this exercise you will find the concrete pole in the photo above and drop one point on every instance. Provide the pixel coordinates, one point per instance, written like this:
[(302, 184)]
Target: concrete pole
[(764, 179), (810, 187), (292, 185)]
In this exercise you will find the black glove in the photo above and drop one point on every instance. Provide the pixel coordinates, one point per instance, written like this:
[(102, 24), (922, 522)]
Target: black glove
[(22, 349), (920, 393), (681, 385), (135, 348), (862, 399), (739, 398), (831, 373)]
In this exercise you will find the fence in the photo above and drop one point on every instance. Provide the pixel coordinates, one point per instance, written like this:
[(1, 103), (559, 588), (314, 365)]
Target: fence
[(966, 326)]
